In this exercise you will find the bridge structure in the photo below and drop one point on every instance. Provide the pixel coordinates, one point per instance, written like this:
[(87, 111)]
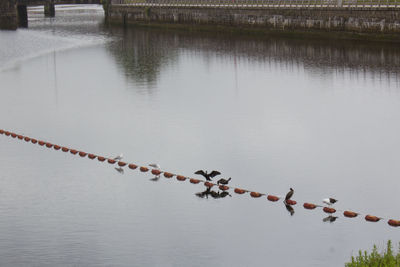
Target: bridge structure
[(13, 13)]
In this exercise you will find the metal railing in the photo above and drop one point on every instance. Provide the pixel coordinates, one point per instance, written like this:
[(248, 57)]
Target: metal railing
[(368, 4)]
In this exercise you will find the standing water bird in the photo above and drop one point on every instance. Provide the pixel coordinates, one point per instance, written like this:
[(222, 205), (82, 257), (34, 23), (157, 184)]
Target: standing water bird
[(206, 175), (224, 181), (119, 157), (155, 166), (329, 201), (289, 194)]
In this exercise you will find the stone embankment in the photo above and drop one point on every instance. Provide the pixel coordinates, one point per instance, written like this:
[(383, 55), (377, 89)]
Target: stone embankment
[(381, 21)]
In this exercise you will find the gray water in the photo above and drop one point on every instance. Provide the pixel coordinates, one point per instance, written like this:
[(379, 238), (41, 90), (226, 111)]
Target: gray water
[(323, 118)]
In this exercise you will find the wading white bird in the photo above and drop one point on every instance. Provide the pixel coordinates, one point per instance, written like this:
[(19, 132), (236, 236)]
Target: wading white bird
[(119, 157), (329, 201), (155, 166)]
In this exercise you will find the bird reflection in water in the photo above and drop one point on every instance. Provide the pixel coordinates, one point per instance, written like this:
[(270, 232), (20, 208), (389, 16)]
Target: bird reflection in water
[(156, 178), (212, 193), (330, 219), (290, 209), (120, 170)]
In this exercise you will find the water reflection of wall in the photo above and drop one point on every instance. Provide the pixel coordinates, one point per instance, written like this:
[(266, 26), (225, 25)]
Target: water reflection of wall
[(143, 52)]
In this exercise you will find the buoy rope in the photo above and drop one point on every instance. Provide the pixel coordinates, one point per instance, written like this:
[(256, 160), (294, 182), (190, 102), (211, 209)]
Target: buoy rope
[(208, 184)]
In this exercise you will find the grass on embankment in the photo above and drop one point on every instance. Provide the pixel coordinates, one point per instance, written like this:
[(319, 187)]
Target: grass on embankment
[(375, 259)]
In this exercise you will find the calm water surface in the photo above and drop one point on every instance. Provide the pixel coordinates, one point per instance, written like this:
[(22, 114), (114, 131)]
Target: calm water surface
[(323, 118)]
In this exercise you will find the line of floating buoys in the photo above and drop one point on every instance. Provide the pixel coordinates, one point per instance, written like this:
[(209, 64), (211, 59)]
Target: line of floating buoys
[(153, 171), (194, 181), (309, 206), (208, 184), (240, 191), (329, 210), (372, 218), (256, 194), (132, 166), (272, 198), (350, 214), (157, 172), (395, 223), (143, 169), (180, 178), (291, 202), (168, 175)]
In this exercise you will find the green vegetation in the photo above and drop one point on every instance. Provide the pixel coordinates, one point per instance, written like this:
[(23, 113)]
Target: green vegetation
[(375, 259)]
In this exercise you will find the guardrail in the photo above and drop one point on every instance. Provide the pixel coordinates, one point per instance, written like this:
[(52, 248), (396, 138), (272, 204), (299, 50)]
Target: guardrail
[(367, 4)]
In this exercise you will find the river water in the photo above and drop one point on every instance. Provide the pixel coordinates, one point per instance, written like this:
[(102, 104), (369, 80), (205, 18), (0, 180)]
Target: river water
[(320, 117)]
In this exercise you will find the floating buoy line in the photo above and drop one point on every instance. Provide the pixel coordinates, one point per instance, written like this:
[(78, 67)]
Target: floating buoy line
[(208, 184)]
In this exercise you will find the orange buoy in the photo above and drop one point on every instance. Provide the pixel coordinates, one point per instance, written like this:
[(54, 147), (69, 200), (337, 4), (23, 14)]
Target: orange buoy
[(350, 214), (73, 151), (223, 187), (27, 139), (329, 210), (13, 135), (100, 158), (255, 194), (272, 198), (33, 141), (394, 223), (121, 163), (208, 184), (91, 156), (168, 175), (111, 161), (194, 181), (41, 143), (1, 131), (82, 154), (291, 202), (155, 172), (49, 145), (56, 147), (132, 166), (144, 169), (65, 149), (7, 133), (309, 206), (180, 178), (240, 191), (372, 218), (20, 137)]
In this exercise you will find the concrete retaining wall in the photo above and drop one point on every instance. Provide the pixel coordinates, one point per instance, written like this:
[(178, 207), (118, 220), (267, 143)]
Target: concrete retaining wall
[(334, 19), (8, 15)]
